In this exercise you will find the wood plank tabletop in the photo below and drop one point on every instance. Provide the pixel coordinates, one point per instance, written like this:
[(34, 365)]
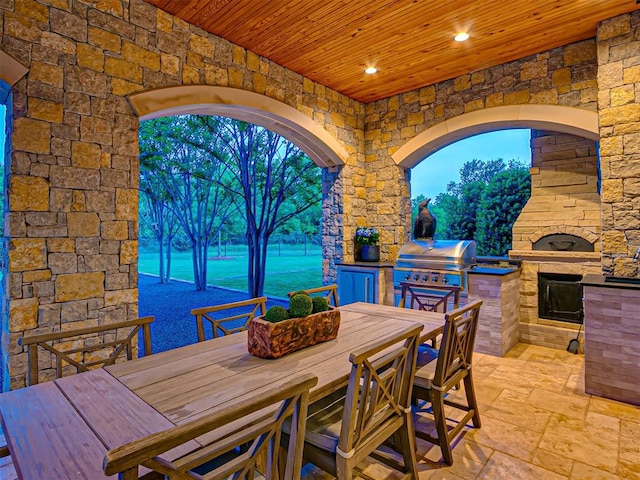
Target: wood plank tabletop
[(47, 437), (192, 381)]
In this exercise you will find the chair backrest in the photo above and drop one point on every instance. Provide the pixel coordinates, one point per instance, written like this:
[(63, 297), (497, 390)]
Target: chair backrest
[(431, 298), (229, 318), (330, 292), (379, 390), (85, 355), (252, 433), (456, 349)]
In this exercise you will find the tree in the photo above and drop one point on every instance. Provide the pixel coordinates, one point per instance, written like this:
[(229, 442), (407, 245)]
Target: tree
[(155, 201), (192, 178), (271, 180), (463, 210), (504, 198)]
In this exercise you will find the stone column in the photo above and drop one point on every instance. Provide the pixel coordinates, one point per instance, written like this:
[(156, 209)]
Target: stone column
[(619, 116)]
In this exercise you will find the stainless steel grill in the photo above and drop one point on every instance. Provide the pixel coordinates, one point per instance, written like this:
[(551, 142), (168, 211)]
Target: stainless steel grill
[(434, 262)]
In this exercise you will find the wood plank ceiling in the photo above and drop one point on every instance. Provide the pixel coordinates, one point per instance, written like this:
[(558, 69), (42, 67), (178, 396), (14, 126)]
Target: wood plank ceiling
[(410, 42)]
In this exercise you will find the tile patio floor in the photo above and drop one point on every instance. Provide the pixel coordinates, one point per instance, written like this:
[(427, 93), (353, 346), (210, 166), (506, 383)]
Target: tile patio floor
[(537, 423)]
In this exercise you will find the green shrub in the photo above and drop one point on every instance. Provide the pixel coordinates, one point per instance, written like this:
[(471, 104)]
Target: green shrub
[(276, 314), (300, 305), (299, 292), (320, 304)]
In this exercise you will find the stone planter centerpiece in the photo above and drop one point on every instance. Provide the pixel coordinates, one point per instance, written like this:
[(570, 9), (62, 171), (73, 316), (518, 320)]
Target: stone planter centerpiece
[(307, 322)]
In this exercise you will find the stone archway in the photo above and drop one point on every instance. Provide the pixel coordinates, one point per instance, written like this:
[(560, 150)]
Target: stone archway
[(572, 120), (252, 107)]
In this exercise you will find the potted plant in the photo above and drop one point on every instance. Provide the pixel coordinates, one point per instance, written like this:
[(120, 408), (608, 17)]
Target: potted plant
[(367, 240), (307, 321)]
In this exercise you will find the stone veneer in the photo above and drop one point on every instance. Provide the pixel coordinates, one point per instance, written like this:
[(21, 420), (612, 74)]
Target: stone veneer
[(72, 225), (564, 199), (498, 326), (612, 342), (619, 117)]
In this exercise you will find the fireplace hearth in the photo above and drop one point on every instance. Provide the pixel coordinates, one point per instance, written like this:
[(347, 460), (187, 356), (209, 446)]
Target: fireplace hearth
[(560, 297)]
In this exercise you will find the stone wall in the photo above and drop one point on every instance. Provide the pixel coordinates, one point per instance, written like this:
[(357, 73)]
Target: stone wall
[(73, 171), (564, 190), (562, 76), (619, 116)]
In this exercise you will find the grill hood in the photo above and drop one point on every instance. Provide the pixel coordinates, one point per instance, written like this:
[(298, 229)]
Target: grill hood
[(437, 254)]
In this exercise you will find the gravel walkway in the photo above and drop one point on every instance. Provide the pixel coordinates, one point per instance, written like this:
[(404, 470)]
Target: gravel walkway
[(171, 303)]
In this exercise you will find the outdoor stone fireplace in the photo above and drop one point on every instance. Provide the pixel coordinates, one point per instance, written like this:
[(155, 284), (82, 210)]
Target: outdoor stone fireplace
[(557, 234)]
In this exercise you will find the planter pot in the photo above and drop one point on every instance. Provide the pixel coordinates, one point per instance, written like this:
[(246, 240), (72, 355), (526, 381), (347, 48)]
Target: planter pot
[(273, 340), (370, 253)]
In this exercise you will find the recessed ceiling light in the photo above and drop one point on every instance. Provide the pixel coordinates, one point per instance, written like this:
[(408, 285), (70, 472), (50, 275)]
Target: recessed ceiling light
[(370, 70), (461, 37)]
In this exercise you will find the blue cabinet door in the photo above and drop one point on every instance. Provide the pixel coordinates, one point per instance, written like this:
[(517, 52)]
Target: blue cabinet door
[(356, 286)]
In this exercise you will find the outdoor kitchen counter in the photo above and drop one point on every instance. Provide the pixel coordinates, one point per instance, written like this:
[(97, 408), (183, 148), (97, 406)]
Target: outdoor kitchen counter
[(499, 289), (611, 282), (493, 270), (612, 338)]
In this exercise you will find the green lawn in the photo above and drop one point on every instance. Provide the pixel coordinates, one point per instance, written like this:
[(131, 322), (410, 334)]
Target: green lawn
[(291, 270)]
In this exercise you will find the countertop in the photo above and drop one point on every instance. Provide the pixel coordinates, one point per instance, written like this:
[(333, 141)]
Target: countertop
[(492, 270), (368, 264), (592, 280)]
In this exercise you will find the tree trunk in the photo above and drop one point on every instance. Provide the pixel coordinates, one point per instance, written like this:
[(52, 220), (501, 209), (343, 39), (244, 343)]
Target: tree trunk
[(251, 265), (161, 273), (167, 274)]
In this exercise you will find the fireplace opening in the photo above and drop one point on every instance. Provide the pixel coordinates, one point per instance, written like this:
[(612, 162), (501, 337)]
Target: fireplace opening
[(560, 297), (563, 242)]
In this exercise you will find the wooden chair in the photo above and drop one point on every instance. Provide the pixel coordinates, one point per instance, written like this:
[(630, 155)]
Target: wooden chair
[(83, 355), (244, 310), (250, 431), (453, 365), (431, 298), (330, 292), (344, 428), (7, 471)]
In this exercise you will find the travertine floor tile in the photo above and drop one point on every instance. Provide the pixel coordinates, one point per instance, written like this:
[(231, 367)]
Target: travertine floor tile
[(569, 405), (583, 446), (511, 375), (551, 461), (515, 413), (507, 438), (469, 459), (623, 411), (587, 472), (502, 466)]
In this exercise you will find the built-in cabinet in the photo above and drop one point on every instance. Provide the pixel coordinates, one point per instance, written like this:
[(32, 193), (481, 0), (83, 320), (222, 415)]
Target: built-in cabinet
[(370, 282)]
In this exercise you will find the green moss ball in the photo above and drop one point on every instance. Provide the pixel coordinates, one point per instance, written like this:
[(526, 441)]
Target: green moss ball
[(320, 304), (276, 314), (299, 292), (300, 305)]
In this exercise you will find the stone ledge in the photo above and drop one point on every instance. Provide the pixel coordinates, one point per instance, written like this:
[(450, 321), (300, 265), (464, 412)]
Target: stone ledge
[(550, 255)]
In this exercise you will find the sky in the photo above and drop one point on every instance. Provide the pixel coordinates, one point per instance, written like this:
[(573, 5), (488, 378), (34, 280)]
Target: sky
[(432, 174)]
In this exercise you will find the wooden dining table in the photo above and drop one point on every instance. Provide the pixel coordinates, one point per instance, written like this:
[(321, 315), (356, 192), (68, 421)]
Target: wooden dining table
[(62, 429)]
